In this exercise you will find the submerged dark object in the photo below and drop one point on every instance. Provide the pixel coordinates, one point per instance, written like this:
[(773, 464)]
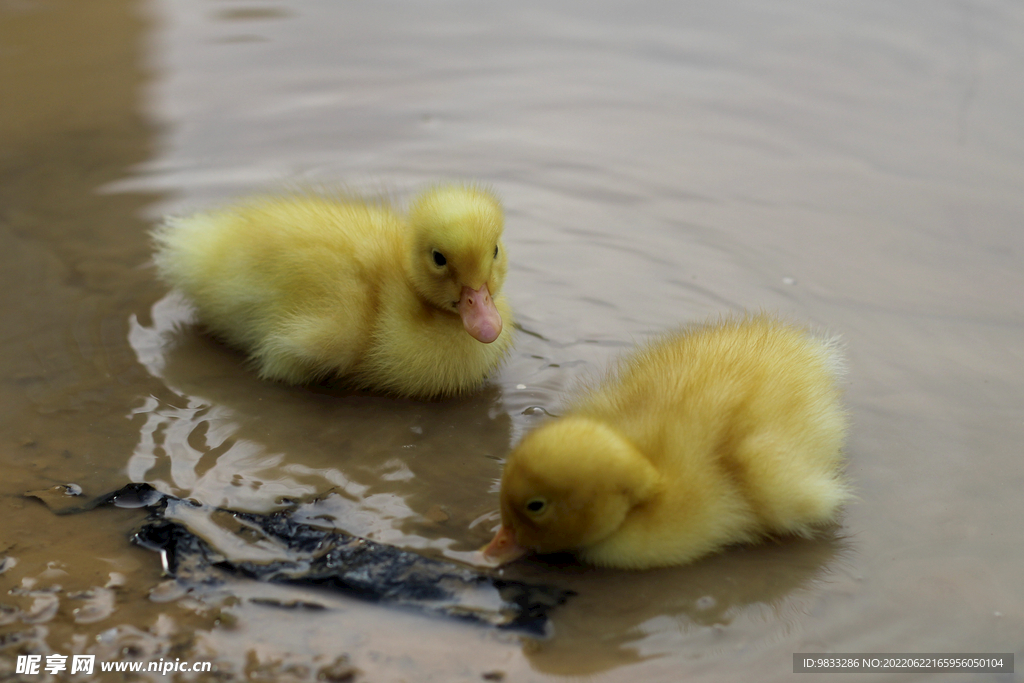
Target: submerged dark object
[(281, 550)]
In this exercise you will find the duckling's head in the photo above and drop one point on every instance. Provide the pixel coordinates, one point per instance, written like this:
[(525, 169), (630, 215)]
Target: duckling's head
[(458, 260), (568, 485)]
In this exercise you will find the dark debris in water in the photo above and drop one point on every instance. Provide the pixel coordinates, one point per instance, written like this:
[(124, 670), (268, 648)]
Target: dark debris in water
[(196, 543)]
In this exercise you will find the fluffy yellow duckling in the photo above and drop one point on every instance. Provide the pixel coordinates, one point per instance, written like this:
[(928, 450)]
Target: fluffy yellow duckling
[(721, 433), (314, 286)]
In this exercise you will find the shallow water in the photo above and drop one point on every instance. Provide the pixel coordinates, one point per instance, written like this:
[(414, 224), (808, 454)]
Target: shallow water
[(857, 165)]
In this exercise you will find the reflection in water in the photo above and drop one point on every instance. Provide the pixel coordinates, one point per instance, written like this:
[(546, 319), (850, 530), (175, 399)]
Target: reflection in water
[(408, 473), (621, 617), (412, 474)]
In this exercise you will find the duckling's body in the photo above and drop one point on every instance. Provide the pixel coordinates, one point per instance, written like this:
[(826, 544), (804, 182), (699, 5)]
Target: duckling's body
[(719, 434), (314, 286)]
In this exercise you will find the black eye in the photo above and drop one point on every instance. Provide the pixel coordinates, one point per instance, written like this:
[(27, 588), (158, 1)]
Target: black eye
[(439, 258), (535, 505), (495, 251)]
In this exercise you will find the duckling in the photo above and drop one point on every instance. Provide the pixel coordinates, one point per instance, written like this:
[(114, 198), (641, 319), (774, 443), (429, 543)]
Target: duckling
[(721, 433), (315, 286)]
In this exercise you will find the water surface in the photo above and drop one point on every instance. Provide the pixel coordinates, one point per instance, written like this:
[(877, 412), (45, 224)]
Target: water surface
[(855, 165)]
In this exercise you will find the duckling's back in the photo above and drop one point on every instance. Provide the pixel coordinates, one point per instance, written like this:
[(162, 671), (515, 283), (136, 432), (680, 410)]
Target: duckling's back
[(252, 268), (744, 420)]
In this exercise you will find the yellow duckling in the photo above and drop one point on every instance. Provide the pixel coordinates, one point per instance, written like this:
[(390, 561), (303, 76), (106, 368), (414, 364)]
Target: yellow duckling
[(721, 433), (314, 286)]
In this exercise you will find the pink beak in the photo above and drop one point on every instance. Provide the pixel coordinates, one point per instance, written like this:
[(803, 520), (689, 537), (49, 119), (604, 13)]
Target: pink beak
[(479, 316), (503, 547)]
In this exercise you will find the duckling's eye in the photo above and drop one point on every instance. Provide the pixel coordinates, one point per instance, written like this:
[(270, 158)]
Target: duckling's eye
[(439, 259), (495, 251), (536, 506)]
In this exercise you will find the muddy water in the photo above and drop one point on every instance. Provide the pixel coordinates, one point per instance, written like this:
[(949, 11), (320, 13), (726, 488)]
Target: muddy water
[(858, 165)]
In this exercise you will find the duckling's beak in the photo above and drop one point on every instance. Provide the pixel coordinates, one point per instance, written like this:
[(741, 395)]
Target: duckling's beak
[(479, 316), (503, 547)]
